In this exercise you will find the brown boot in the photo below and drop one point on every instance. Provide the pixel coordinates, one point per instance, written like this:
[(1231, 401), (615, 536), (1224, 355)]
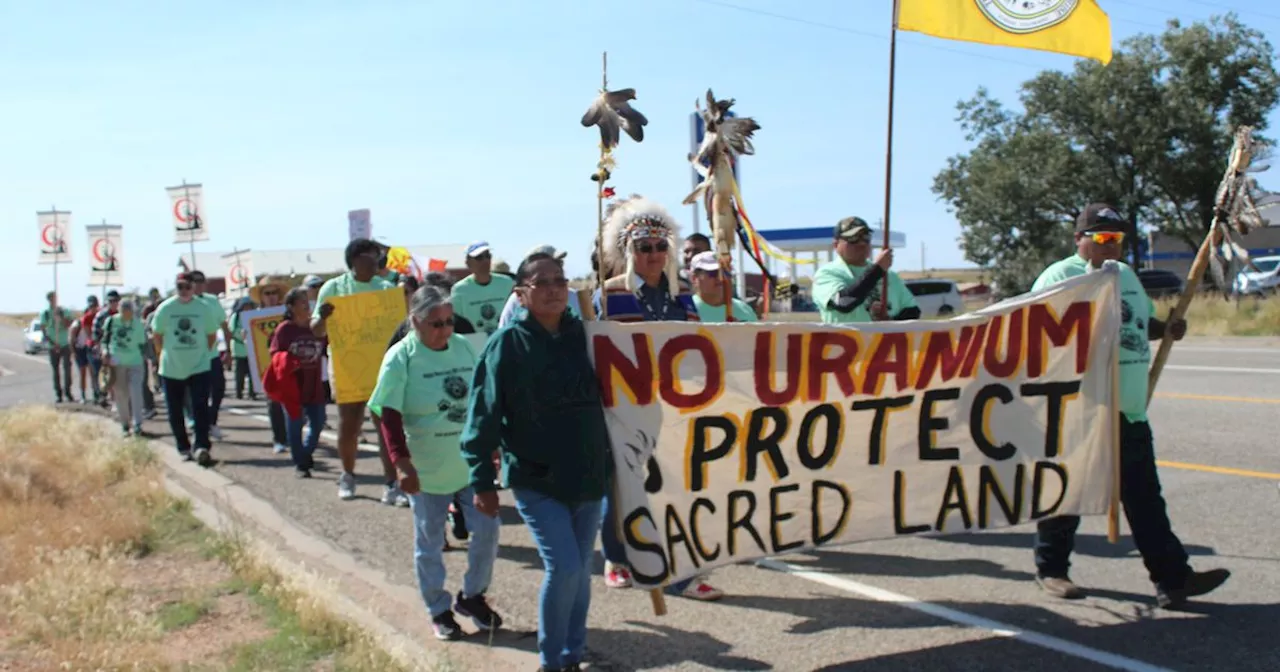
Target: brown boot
[(1060, 587)]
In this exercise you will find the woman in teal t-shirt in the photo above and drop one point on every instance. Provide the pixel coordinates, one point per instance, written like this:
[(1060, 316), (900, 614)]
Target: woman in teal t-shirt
[(124, 337), (421, 400)]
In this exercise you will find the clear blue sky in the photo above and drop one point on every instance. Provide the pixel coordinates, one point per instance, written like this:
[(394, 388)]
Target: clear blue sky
[(456, 121)]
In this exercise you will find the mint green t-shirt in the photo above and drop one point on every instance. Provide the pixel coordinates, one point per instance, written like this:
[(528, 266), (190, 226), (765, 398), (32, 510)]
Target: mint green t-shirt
[(57, 331), (239, 348), (216, 313), (430, 389), (346, 285), (709, 313), (185, 328), (127, 338), (837, 275), (482, 304), (1136, 308)]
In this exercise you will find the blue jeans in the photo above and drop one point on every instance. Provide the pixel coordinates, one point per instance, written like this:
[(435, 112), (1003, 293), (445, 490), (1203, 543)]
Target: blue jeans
[(303, 453), (566, 538), (616, 552), (429, 513), (176, 392)]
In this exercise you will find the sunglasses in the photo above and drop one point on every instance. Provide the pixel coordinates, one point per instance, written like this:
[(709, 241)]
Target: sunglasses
[(183, 286), (553, 282), (1107, 237), (713, 275), (440, 324), (649, 248), (482, 257)]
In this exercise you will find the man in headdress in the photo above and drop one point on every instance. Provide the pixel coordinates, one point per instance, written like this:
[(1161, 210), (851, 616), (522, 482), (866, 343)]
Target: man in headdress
[(639, 243)]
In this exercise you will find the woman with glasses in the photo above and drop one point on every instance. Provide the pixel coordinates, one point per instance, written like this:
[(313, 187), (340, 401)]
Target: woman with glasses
[(535, 396), (421, 398)]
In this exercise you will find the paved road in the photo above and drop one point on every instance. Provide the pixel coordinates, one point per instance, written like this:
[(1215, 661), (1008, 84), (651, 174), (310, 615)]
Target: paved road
[(951, 603)]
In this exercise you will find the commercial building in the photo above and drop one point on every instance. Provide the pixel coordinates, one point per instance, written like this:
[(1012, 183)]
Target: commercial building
[(1169, 253), (298, 264)]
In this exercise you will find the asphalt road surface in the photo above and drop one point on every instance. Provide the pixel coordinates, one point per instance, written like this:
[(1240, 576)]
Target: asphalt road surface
[(964, 602)]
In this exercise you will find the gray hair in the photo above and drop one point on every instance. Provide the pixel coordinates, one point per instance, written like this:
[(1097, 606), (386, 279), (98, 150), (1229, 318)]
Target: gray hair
[(427, 299), (127, 304)]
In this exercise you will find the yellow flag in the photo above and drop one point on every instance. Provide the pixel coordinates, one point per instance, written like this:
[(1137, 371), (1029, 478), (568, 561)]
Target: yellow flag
[(1076, 27)]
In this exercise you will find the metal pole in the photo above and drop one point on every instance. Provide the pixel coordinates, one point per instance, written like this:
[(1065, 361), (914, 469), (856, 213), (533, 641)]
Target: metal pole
[(195, 219)]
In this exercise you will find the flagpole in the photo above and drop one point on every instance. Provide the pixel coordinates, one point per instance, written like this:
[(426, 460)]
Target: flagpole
[(601, 274), (888, 154)]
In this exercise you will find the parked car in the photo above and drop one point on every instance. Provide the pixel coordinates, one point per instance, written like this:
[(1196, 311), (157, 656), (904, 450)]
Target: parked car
[(1265, 280), (1160, 284), (937, 297), (33, 341)]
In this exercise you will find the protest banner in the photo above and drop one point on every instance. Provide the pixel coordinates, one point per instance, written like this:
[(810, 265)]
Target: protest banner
[(186, 210), (358, 330), (259, 325), (740, 441), (359, 224)]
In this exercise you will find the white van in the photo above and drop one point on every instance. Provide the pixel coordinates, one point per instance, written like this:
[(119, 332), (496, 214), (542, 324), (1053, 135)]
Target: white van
[(937, 297)]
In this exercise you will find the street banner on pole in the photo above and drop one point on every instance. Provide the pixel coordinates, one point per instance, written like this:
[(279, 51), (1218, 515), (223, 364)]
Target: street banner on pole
[(187, 213), (106, 255), (55, 244)]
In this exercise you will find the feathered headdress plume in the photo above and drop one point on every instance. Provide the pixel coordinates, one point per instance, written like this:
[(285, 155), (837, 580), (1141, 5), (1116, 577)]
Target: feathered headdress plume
[(636, 218)]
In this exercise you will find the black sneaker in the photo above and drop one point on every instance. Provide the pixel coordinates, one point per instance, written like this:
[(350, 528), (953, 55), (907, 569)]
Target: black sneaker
[(477, 609), (1197, 583), (303, 473), (203, 458), (445, 627)]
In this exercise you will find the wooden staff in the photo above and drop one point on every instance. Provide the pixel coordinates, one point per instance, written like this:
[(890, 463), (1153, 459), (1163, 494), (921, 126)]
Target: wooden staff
[(603, 174), (1113, 511), (1232, 182)]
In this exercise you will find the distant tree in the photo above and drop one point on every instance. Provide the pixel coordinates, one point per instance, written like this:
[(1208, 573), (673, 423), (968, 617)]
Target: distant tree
[(1148, 133)]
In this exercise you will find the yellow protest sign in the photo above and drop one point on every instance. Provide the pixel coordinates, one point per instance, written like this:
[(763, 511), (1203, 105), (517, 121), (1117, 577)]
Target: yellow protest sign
[(358, 330), (259, 325)]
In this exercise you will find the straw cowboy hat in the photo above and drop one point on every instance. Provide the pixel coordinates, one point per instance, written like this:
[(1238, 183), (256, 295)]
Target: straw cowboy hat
[(275, 281)]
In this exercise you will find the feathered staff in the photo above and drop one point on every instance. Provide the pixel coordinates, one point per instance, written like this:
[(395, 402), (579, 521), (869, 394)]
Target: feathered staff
[(1223, 250), (612, 113), (725, 140)]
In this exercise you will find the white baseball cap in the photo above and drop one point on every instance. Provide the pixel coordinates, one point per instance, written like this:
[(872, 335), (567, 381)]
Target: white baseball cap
[(704, 261)]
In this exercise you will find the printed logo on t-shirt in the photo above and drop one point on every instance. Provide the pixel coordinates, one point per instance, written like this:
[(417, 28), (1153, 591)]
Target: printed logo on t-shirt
[(186, 332)]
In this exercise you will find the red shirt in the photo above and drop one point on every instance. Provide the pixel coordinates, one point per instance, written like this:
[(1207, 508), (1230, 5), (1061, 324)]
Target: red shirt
[(308, 350), (86, 324)]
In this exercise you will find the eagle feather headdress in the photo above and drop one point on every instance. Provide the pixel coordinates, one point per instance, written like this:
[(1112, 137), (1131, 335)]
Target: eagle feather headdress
[(634, 218)]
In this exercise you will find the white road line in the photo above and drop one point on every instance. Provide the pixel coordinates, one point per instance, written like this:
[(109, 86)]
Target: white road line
[(5, 372), (1226, 351), (969, 620), (1220, 369), (363, 446), (15, 353)]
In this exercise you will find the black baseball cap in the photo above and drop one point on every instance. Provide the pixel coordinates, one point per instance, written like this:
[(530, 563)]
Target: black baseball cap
[(853, 229), (1100, 217)]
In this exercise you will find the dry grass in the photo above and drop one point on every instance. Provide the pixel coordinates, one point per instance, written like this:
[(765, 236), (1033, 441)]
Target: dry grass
[(1211, 315), (20, 320), (100, 569)]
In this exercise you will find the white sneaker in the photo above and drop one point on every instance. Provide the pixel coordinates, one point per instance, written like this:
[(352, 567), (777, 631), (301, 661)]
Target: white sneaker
[(215, 433), (280, 448), (347, 485), (393, 496)]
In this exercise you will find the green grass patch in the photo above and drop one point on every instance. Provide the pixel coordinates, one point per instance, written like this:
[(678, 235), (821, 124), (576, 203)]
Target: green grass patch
[(178, 615)]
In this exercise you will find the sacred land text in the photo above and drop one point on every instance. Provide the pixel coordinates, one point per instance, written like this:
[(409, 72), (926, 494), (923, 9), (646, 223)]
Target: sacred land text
[(746, 440)]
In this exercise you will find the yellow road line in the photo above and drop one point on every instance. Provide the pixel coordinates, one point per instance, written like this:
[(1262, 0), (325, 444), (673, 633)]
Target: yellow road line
[(1219, 470), (1215, 397)]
